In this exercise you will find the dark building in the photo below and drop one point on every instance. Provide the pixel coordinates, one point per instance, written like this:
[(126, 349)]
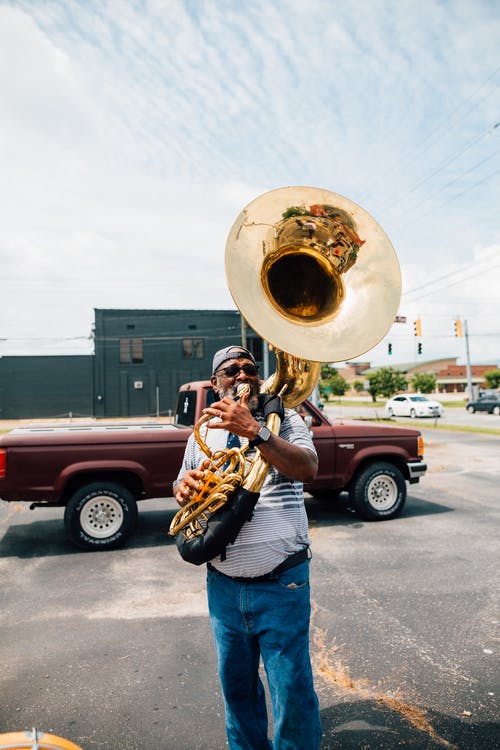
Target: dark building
[(143, 356), (46, 386), (140, 359)]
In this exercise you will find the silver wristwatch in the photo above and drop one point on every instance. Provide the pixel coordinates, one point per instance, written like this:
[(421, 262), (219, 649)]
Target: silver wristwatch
[(262, 436)]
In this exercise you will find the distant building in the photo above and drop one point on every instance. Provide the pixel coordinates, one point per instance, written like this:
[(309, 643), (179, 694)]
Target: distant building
[(354, 370), (453, 378)]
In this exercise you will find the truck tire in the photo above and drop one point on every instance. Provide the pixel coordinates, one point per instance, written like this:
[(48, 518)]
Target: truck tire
[(100, 516), (471, 409), (379, 492), (496, 410)]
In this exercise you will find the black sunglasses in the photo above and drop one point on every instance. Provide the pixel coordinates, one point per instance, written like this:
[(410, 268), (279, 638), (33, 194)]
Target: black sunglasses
[(233, 370)]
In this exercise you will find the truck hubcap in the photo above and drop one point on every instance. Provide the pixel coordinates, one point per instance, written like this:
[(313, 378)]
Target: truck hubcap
[(382, 493), (101, 517)]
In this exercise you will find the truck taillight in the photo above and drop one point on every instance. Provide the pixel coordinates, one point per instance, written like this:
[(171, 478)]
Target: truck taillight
[(420, 446), (3, 462)]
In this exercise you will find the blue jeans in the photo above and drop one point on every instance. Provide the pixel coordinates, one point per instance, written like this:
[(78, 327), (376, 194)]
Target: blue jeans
[(268, 619)]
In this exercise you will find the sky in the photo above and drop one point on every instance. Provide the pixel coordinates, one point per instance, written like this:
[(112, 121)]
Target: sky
[(133, 132)]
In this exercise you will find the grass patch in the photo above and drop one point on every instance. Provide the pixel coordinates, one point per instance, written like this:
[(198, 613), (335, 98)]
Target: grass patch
[(432, 424), (456, 427), (380, 404), (352, 402)]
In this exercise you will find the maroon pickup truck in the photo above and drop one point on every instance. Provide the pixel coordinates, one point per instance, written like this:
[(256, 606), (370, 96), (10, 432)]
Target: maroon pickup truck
[(99, 472)]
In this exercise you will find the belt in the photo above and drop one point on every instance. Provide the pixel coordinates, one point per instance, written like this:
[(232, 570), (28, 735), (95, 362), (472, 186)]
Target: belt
[(289, 562)]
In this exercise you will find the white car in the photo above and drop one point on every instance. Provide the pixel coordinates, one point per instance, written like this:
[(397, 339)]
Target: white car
[(413, 406)]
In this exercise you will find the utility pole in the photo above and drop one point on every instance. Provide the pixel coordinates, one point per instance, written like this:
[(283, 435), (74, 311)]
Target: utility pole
[(265, 354), (243, 331), (469, 371), (463, 331)]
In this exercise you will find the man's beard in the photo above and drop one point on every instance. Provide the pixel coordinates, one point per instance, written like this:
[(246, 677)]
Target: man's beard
[(232, 392)]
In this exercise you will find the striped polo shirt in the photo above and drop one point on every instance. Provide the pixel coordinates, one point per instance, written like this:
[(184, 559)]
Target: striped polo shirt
[(279, 524)]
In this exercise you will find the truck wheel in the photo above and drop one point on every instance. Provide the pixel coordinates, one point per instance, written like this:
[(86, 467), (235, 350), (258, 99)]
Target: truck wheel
[(379, 492), (471, 409), (496, 410), (100, 516)]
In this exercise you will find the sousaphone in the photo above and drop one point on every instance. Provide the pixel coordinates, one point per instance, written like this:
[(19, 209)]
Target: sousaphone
[(318, 279)]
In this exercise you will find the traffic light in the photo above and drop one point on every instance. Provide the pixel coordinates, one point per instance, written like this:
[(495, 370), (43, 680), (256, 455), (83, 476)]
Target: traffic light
[(417, 327), (458, 328), (420, 348), (389, 348)]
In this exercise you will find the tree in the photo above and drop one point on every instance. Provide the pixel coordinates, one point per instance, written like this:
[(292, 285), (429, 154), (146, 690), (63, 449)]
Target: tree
[(331, 382), (424, 382), (386, 382), (358, 386), (324, 386), (338, 385), (492, 377), (327, 371)]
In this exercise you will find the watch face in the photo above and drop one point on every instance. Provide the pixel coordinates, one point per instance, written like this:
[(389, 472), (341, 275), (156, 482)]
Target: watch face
[(264, 433)]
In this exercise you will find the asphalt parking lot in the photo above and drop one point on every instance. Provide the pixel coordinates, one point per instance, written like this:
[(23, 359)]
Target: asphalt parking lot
[(113, 650)]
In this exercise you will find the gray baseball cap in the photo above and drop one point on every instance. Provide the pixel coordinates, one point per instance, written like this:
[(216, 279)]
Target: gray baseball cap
[(230, 352)]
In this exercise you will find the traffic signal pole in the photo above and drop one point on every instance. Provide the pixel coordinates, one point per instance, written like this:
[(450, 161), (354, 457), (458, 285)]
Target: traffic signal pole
[(470, 393)]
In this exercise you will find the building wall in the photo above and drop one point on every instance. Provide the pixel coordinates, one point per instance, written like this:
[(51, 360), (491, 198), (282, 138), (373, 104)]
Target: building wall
[(45, 386), (143, 356)]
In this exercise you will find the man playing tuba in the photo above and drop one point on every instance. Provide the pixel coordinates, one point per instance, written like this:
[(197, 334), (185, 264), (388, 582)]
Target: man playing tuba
[(258, 590)]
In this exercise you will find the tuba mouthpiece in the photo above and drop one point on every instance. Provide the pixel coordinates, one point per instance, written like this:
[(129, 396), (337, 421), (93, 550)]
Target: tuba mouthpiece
[(242, 390)]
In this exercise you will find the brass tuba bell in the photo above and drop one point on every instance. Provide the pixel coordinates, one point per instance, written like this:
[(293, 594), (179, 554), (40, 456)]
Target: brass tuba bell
[(314, 275)]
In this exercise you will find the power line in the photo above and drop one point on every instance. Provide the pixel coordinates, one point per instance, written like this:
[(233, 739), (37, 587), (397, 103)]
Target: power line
[(444, 126), (471, 187), (457, 281), (452, 182), (464, 269), (442, 166), (449, 200), (208, 333), (449, 119)]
